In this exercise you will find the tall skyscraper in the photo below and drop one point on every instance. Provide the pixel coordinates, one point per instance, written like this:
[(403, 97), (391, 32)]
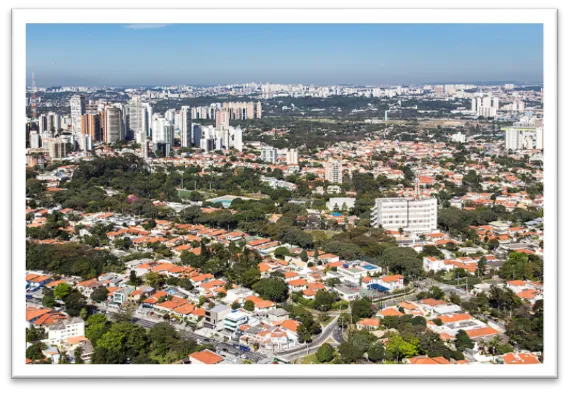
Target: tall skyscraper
[(196, 134), (186, 126), (113, 125), (90, 125), (137, 120), (222, 118), (162, 134), (334, 171), (77, 103)]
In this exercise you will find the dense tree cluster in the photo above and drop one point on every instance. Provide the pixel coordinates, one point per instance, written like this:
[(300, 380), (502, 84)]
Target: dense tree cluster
[(71, 259)]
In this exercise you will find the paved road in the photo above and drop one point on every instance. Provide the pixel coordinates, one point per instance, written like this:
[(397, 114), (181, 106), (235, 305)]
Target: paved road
[(330, 330)]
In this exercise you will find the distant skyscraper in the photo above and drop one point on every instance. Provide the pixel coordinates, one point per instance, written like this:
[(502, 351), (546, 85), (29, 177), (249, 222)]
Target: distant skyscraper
[(186, 126), (221, 118), (113, 125), (138, 120), (196, 134), (90, 125), (162, 134), (77, 103)]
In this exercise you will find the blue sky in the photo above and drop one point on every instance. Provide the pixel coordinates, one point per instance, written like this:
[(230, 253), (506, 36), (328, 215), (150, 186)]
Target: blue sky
[(205, 54)]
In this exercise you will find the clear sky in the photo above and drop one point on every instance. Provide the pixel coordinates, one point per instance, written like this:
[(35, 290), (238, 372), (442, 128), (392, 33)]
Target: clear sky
[(206, 54)]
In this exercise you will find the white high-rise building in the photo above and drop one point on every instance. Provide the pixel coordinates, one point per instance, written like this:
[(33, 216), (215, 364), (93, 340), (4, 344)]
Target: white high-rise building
[(186, 126), (412, 215), (85, 142), (292, 157), (77, 103), (269, 154), (334, 171), (539, 138), (138, 120), (163, 131), (35, 140), (523, 138), (236, 138)]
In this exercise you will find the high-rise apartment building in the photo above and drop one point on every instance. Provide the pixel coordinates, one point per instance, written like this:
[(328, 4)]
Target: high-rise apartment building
[(292, 157), (186, 126), (334, 171), (138, 120), (412, 215), (57, 148), (523, 138), (113, 125), (269, 154), (91, 125), (77, 103)]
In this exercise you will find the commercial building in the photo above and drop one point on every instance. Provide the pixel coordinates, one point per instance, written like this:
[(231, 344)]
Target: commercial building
[(235, 319), (413, 215)]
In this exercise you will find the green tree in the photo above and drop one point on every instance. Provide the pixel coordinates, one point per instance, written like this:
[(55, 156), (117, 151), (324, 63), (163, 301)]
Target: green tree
[(463, 341), (249, 305), (62, 290), (361, 308), (376, 353), (323, 300), (349, 353), (97, 326), (99, 294), (74, 303), (304, 256), (35, 351), (325, 353), (272, 289), (398, 348)]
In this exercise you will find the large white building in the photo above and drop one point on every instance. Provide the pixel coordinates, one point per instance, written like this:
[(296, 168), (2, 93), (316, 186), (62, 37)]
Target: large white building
[(61, 331), (413, 215), (162, 134), (334, 171), (292, 157), (523, 138), (269, 154), (138, 119), (77, 103)]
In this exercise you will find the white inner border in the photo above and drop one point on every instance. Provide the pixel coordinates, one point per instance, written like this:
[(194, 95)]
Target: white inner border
[(547, 17)]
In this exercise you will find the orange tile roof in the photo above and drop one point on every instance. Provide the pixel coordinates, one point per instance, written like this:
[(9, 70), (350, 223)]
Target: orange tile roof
[(520, 358), (481, 332), (207, 357), (290, 324), (33, 312), (391, 312), (454, 318), (428, 360)]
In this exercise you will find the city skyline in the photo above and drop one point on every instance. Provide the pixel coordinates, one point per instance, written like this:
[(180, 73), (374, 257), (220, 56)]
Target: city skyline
[(136, 55)]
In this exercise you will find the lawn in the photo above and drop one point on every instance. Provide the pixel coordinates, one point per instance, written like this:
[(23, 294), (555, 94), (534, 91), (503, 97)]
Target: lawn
[(310, 359)]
